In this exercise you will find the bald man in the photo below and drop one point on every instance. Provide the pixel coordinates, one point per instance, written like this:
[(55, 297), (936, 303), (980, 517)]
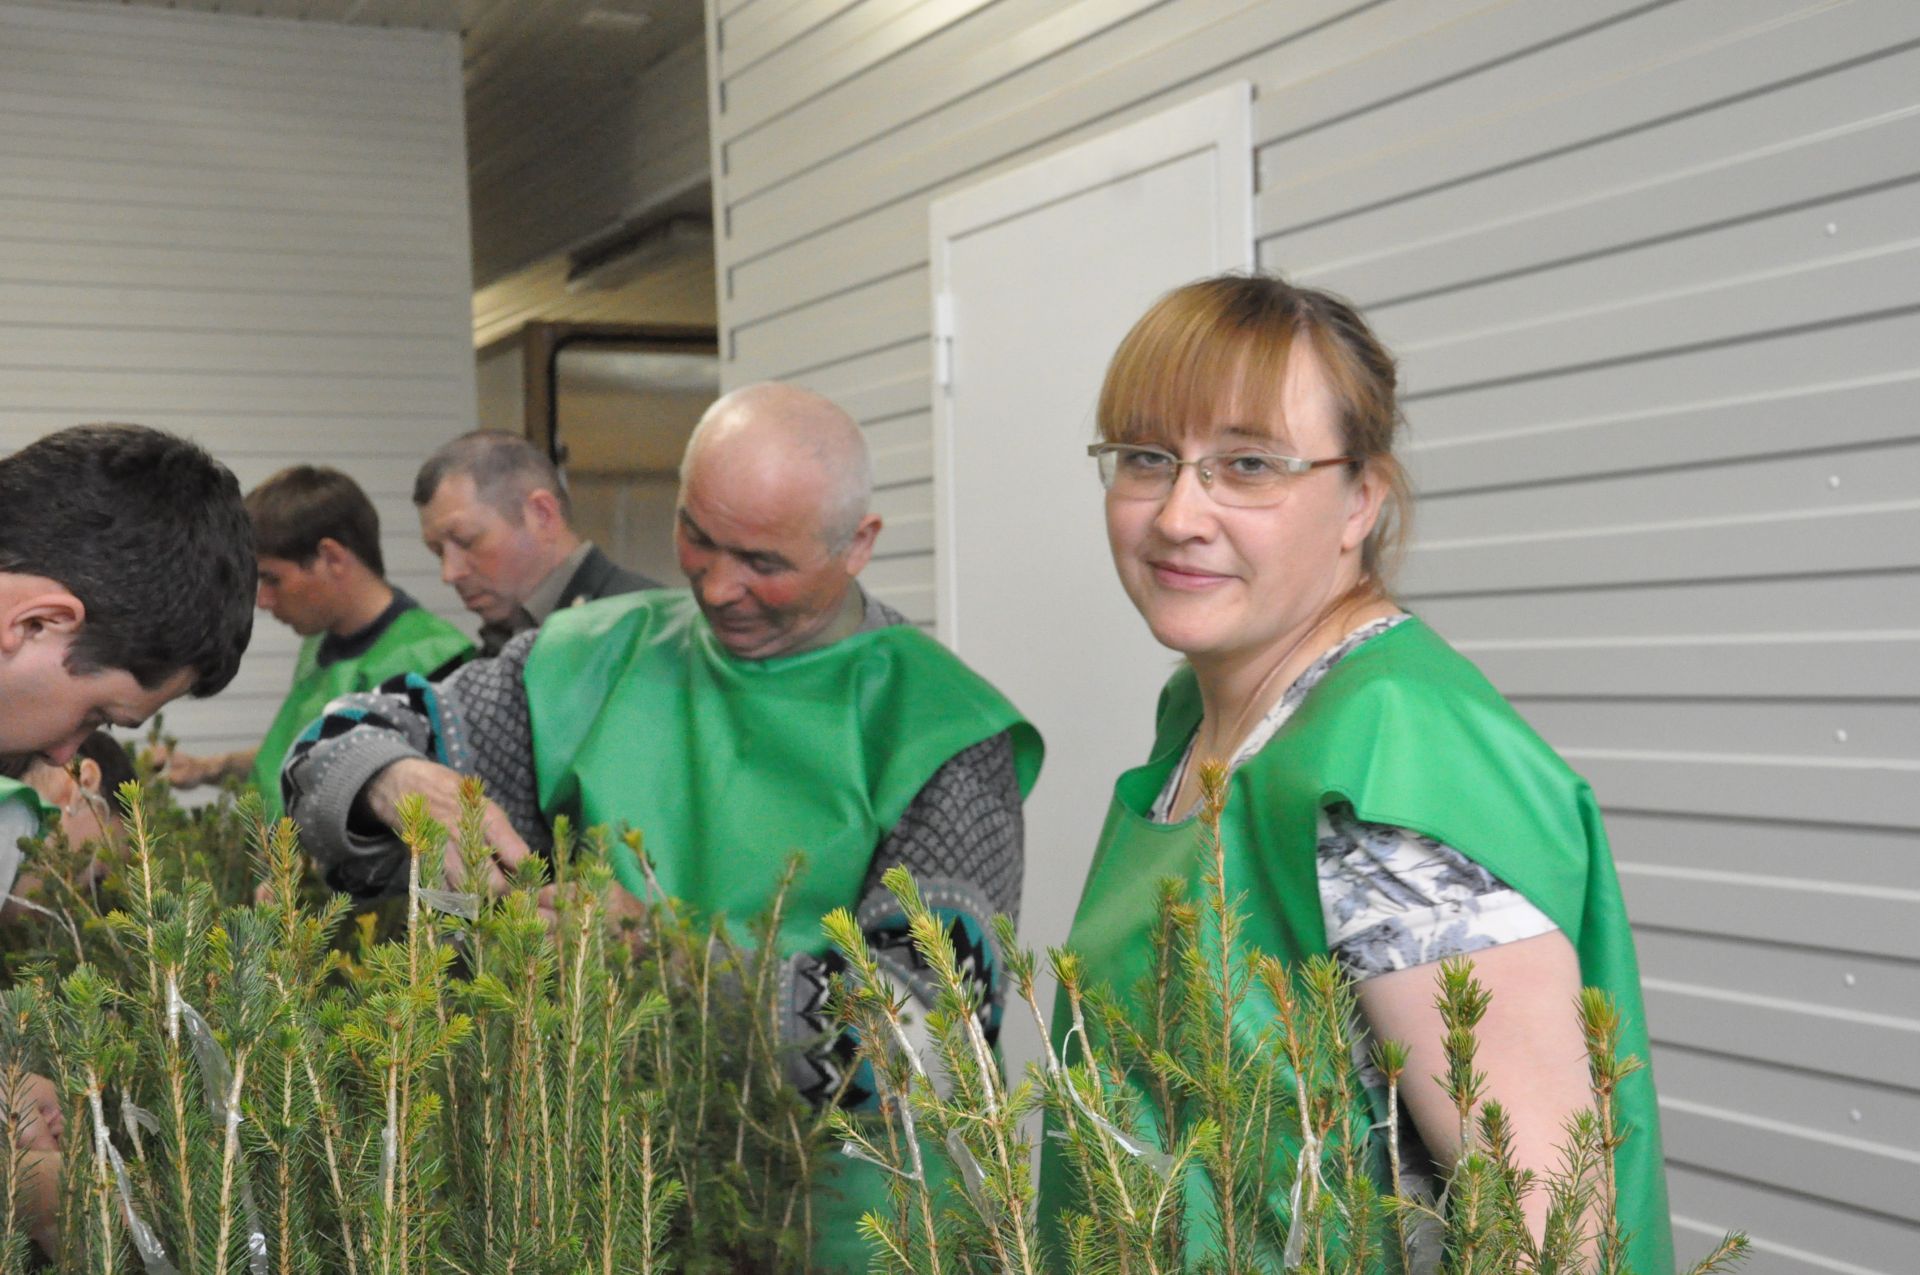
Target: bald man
[(773, 706)]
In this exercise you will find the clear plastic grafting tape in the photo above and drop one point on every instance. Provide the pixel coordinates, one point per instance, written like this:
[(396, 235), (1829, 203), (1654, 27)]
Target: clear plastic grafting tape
[(211, 1060), (452, 902), (1296, 1245), (1308, 1162), (972, 1179), (153, 1255), (854, 1151), (217, 1076), (1159, 1161), (388, 1149), (134, 1118)]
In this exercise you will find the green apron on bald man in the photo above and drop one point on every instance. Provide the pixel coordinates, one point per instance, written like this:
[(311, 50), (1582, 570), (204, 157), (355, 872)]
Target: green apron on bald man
[(774, 706)]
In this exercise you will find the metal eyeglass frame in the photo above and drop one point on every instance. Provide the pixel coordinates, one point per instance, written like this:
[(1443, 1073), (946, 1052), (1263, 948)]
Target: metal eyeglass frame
[(1204, 466)]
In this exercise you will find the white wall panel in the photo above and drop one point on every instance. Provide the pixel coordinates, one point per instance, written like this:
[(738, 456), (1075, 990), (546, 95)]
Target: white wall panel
[(251, 232), (1654, 275)]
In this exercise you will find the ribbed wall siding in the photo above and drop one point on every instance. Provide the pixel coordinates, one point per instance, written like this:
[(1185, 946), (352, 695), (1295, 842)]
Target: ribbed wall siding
[(1654, 273), (252, 232)]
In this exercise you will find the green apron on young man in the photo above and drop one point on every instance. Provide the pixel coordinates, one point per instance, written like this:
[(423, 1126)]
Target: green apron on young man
[(416, 641), (27, 795), (1409, 733), (726, 766), (33, 811)]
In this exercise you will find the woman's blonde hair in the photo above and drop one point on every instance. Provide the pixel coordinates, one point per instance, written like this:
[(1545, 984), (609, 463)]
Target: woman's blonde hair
[(1222, 344)]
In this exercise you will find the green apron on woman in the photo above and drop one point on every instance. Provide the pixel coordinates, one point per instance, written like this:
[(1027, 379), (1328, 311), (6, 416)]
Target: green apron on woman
[(1409, 733)]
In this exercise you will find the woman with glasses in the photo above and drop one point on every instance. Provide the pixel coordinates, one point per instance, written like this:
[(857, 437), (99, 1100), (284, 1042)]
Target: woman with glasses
[(1385, 805)]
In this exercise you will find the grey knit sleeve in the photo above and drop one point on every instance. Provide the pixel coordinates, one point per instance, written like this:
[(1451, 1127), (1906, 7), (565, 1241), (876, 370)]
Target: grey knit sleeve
[(962, 839), (475, 722)]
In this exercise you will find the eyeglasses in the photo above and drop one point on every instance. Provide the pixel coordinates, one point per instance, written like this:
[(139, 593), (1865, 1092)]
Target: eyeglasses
[(1243, 479)]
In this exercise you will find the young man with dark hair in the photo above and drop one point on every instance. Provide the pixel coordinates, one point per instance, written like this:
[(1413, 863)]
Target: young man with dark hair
[(494, 511), (83, 795), (126, 574), (126, 581), (322, 575)]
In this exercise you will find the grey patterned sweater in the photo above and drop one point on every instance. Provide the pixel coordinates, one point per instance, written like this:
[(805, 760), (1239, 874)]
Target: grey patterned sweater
[(961, 836)]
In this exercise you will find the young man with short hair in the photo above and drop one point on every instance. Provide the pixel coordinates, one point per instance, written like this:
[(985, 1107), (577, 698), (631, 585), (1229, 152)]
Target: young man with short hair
[(126, 581), (80, 798), (126, 573), (322, 574)]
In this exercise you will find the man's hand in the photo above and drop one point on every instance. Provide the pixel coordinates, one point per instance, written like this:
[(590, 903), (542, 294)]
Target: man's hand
[(36, 1110), (621, 906), (440, 787), (184, 770)]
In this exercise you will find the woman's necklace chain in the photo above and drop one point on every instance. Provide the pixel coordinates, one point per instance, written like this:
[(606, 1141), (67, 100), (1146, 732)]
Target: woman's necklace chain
[(1238, 731)]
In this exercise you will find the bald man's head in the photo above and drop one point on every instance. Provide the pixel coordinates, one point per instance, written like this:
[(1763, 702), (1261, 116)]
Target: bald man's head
[(803, 439), (773, 523)]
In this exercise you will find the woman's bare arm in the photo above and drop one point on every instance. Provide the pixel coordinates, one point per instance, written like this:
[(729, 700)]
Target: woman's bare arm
[(1531, 1049)]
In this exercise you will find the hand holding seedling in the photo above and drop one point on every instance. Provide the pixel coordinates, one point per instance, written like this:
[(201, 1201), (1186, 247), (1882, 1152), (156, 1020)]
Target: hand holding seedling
[(439, 787), (186, 770)]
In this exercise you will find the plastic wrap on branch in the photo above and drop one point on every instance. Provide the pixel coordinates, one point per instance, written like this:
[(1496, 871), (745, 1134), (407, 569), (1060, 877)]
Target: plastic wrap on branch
[(217, 1075), (152, 1255), (973, 1179), (208, 1057), (451, 902), (134, 1117), (1159, 1161), (389, 1153), (854, 1151), (1308, 1163)]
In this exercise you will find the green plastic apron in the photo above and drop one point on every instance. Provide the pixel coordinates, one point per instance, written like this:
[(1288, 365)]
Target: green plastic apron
[(1408, 732), (20, 790), (417, 641), (11, 859), (641, 718)]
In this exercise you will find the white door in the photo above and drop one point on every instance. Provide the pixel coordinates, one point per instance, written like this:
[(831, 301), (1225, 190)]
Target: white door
[(1037, 274)]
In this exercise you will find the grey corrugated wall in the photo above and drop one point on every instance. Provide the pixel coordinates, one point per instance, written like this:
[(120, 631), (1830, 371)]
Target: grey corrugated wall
[(1654, 271), (252, 232)]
